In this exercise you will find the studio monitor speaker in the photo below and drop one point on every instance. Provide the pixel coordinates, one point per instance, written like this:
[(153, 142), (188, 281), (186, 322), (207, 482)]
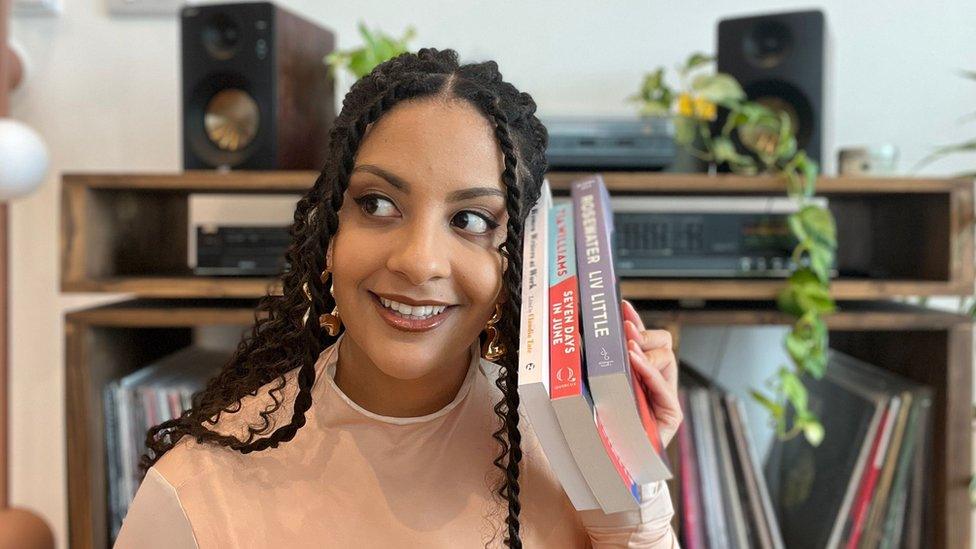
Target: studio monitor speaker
[(256, 91), (779, 60)]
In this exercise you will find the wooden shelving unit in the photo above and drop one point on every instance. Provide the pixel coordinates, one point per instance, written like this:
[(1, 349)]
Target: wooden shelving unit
[(127, 233)]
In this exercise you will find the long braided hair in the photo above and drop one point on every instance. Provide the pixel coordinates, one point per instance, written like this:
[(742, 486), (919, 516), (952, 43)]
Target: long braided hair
[(279, 341)]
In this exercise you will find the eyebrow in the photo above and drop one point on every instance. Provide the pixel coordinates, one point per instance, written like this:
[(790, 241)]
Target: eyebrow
[(401, 184)]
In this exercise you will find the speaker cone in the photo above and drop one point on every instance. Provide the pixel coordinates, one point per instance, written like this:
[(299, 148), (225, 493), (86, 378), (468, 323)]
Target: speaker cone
[(231, 119)]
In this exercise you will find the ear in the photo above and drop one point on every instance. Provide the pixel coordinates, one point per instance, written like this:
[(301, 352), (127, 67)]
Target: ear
[(328, 256)]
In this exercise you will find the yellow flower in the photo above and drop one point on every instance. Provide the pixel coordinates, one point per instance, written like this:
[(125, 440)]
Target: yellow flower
[(705, 109), (685, 106)]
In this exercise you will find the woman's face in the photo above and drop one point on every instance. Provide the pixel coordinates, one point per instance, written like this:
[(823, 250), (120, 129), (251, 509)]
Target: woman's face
[(420, 224)]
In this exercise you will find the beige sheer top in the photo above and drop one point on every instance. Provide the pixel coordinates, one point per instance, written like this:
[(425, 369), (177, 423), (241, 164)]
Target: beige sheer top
[(352, 478)]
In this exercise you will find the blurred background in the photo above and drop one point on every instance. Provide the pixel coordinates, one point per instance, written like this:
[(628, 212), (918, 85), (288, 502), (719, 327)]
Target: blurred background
[(102, 86)]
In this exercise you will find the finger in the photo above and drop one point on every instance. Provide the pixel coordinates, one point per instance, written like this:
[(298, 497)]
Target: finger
[(648, 339), (663, 396), (630, 313), (660, 359), (632, 332)]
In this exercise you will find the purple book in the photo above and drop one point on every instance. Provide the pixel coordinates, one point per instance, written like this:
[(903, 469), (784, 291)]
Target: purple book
[(604, 344)]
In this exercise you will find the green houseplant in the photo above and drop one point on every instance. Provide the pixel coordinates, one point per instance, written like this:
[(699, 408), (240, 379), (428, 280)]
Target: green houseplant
[(752, 139), (377, 47)]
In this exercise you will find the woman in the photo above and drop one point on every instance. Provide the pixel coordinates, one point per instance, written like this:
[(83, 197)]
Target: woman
[(378, 424)]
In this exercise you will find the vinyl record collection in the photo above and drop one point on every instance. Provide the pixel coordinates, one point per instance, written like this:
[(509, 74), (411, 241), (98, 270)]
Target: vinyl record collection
[(864, 486), (146, 397)]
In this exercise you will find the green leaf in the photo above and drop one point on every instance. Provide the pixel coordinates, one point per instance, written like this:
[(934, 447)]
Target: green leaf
[(815, 363), (821, 261), (697, 59), (818, 224), (724, 150), (809, 168), (814, 432), (774, 409), (967, 146), (798, 346), (804, 291), (786, 148), (378, 47), (793, 388), (717, 88)]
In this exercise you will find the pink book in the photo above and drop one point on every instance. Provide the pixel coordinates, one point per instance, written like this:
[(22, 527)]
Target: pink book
[(690, 505)]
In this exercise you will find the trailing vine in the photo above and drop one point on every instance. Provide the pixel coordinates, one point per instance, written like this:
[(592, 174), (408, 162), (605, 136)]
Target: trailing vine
[(715, 122)]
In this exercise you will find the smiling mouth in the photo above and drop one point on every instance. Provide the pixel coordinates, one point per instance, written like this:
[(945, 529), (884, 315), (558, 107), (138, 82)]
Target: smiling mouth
[(411, 322)]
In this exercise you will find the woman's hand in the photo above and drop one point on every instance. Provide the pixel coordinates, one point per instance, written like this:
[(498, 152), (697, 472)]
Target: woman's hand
[(654, 360)]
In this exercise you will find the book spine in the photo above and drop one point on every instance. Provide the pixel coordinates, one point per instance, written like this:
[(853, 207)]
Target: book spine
[(870, 478), (608, 370), (600, 310), (566, 376), (534, 320), (690, 504)]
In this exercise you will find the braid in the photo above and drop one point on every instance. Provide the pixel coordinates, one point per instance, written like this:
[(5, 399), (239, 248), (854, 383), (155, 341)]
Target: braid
[(279, 341)]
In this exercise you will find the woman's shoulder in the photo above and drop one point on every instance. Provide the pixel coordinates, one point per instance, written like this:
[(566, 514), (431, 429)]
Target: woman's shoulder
[(254, 416)]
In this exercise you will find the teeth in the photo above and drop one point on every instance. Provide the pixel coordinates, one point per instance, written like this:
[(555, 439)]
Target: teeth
[(419, 311)]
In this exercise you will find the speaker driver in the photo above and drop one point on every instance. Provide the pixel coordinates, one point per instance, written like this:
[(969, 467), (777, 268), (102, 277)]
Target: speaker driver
[(231, 119), (768, 44), (222, 36)]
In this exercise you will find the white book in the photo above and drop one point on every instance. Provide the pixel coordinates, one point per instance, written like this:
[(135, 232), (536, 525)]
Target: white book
[(534, 354)]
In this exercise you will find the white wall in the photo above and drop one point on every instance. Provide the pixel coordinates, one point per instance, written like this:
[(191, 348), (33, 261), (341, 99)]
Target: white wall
[(103, 92)]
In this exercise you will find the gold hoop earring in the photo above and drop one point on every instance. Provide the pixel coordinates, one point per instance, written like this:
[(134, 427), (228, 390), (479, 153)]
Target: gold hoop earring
[(493, 349), (330, 322)]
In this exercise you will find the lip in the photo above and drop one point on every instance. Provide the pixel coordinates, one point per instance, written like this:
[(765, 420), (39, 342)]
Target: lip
[(406, 324), (408, 301)]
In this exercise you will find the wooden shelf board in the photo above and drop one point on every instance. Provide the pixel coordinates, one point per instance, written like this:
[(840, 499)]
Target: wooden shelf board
[(616, 181), (769, 289), (630, 288), (850, 315), (198, 181), (177, 286), (695, 183)]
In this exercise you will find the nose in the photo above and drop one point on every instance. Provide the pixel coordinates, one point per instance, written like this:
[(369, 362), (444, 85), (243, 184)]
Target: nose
[(420, 253)]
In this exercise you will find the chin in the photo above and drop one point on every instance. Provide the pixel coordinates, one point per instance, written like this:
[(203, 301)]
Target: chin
[(396, 366)]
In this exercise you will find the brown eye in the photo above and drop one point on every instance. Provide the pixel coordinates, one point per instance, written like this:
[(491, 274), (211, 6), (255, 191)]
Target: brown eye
[(474, 222), (370, 204)]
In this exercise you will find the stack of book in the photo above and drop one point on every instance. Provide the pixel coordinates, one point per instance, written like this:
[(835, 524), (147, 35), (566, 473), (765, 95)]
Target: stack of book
[(586, 404), (132, 404), (864, 486)]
